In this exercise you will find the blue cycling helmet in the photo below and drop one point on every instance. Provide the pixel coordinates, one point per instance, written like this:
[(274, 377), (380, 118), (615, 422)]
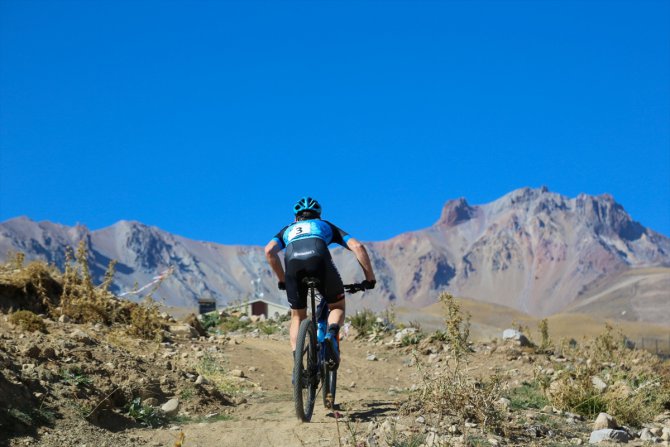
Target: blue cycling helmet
[(307, 204)]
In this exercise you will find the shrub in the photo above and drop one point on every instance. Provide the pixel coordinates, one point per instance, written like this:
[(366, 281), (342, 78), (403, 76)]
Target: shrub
[(75, 376), (144, 414), (546, 345), (528, 395), (210, 320), (35, 286), (457, 325), (363, 321), (450, 391), (81, 300), (145, 320), (234, 323), (637, 390), (28, 321)]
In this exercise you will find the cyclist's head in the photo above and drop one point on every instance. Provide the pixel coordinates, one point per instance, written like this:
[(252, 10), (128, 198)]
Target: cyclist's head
[(307, 208)]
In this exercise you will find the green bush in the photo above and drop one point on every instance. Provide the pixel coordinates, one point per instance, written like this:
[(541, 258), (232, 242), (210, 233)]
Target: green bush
[(144, 414), (210, 320), (528, 395)]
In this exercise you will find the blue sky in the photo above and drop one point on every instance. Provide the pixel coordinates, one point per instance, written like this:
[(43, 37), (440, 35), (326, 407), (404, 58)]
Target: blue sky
[(210, 118)]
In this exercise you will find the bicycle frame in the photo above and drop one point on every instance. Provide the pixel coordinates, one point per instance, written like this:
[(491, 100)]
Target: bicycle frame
[(308, 376)]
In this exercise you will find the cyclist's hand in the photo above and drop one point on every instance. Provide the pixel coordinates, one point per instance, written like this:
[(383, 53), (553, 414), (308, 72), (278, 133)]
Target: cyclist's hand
[(369, 284), (281, 285)]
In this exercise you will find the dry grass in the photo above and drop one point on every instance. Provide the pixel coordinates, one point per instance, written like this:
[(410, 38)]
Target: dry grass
[(28, 321), (37, 281), (457, 324), (451, 391), (40, 287), (638, 385)]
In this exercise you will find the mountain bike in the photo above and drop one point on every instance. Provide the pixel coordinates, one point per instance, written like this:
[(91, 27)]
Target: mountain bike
[(310, 365)]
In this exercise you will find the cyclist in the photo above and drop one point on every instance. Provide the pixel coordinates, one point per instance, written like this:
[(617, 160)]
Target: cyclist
[(306, 242)]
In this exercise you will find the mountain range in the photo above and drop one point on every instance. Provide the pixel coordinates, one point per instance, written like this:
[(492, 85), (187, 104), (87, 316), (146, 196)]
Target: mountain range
[(532, 250)]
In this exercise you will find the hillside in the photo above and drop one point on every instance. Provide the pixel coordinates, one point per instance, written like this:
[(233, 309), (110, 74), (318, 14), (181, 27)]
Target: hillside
[(531, 250)]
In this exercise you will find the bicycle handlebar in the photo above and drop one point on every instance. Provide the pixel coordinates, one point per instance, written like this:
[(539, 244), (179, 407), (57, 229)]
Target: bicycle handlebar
[(353, 288)]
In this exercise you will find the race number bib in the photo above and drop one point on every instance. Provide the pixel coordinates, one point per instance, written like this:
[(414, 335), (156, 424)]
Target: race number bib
[(299, 230)]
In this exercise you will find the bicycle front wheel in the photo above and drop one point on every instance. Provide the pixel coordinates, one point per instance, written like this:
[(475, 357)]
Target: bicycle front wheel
[(305, 377)]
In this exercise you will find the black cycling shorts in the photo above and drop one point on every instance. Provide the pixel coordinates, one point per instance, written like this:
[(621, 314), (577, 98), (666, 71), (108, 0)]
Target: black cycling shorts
[(311, 258)]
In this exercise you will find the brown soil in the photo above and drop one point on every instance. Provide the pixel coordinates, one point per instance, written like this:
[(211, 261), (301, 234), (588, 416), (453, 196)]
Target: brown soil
[(74, 390)]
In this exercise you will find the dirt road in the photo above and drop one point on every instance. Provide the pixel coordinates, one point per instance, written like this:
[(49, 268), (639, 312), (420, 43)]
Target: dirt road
[(367, 389)]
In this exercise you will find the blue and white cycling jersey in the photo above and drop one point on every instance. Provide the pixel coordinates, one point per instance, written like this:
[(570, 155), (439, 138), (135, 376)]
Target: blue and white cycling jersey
[(312, 228)]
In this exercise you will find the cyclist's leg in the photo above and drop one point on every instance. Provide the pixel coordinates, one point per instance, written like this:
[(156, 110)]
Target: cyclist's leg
[(297, 315), (333, 290), (296, 297)]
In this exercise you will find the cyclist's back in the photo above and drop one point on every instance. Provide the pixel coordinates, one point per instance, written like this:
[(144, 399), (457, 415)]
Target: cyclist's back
[(307, 254), (306, 242)]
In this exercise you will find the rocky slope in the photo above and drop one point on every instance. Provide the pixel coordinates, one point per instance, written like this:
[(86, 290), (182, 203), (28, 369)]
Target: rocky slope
[(533, 250)]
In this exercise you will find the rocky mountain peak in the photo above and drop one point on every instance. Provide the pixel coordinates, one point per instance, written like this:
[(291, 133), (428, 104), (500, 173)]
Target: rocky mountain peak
[(455, 212), (607, 217)]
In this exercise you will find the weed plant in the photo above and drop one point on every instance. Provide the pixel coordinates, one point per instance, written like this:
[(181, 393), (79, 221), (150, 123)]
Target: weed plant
[(638, 385), (451, 391), (74, 295), (75, 377), (145, 414), (210, 321), (28, 321), (457, 324), (367, 323)]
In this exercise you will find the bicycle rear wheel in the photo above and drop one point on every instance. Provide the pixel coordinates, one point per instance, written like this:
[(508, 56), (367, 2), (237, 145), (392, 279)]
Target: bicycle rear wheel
[(329, 386), (305, 377)]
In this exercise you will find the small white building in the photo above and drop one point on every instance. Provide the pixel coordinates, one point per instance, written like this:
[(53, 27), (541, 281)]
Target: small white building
[(259, 306)]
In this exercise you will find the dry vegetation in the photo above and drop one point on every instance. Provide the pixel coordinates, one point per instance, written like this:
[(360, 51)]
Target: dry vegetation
[(76, 354)]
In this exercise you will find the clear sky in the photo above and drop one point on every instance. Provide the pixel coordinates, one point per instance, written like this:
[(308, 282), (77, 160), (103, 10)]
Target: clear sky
[(209, 119)]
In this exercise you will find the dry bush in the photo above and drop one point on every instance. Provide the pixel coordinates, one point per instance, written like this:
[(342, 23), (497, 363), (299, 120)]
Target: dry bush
[(638, 387), (457, 334), (450, 391), (73, 294), (81, 300), (28, 321), (145, 320), (546, 344), (35, 286)]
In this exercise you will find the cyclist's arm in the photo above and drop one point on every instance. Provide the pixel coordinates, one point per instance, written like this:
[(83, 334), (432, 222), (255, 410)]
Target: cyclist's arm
[(272, 250), (362, 256)]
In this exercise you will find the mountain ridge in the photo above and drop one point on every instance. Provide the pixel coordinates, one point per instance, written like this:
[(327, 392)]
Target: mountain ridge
[(531, 249)]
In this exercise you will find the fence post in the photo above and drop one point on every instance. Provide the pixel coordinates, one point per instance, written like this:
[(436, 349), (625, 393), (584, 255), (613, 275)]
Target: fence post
[(656, 346)]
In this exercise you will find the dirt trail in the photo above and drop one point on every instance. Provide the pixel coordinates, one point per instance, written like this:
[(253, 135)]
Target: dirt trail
[(268, 417)]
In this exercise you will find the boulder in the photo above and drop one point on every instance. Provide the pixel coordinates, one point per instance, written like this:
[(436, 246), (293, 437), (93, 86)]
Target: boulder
[(516, 337), (599, 384), (183, 330), (171, 407), (193, 321), (646, 435), (404, 333), (608, 435), (81, 337), (604, 421)]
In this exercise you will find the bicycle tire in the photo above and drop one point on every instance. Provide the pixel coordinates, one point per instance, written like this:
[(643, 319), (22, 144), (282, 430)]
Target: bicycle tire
[(329, 387), (305, 379)]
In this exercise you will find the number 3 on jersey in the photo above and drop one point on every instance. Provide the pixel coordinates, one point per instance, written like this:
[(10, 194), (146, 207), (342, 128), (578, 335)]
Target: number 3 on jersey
[(299, 230)]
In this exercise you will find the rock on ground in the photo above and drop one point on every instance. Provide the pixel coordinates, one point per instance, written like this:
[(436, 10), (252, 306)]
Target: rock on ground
[(608, 434)]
